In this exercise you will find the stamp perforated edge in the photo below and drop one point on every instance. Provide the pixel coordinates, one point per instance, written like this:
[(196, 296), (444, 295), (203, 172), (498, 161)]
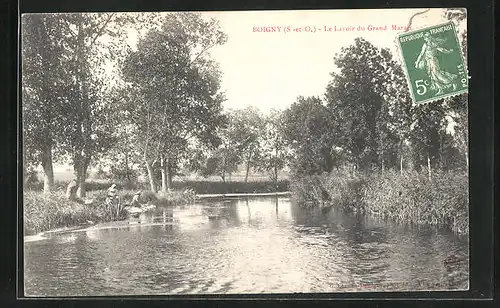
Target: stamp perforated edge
[(403, 63)]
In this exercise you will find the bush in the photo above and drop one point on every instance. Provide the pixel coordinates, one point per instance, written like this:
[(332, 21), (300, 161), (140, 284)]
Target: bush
[(341, 188), (199, 187), (217, 187), (42, 213), (177, 197), (408, 198), (414, 198)]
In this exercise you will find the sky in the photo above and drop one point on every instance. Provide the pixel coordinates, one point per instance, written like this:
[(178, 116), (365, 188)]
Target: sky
[(270, 69)]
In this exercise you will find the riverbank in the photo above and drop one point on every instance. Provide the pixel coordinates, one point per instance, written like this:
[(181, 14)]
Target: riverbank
[(406, 198), (209, 186), (47, 212), (236, 195), (42, 213)]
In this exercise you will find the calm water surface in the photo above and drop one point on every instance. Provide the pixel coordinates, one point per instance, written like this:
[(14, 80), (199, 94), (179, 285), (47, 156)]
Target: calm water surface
[(257, 245)]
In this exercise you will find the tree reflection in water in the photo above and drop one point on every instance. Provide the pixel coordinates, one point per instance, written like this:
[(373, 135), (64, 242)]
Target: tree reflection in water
[(258, 245)]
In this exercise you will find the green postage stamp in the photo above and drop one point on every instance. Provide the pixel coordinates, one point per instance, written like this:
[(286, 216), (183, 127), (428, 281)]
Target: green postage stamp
[(433, 62)]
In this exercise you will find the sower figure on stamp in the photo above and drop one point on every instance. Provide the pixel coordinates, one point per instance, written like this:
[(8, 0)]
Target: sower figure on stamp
[(428, 60)]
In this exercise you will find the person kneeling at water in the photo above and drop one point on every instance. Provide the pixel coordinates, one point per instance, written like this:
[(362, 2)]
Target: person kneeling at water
[(135, 199), (112, 194)]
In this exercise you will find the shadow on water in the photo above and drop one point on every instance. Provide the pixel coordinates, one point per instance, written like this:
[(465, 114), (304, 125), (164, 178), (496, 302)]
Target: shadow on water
[(245, 245)]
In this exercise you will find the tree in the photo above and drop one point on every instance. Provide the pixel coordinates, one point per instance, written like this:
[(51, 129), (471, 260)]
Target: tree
[(122, 157), (307, 128), (458, 104), (426, 131), (237, 140), (274, 152), (175, 89), (360, 100), (247, 125), (44, 57), (63, 66), (434, 144), (97, 38)]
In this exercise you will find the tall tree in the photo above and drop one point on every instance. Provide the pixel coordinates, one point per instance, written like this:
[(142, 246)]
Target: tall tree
[(94, 40), (44, 76), (176, 89), (237, 139), (274, 151), (358, 97), (247, 125), (458, 104), (307, 128), (427, 129)]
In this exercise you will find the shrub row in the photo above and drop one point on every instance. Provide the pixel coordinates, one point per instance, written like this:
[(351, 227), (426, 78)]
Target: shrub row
[(47, 212), (199, 187), (408, 198)]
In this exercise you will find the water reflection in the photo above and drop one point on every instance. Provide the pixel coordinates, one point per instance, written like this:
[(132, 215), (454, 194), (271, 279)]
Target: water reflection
[(247, 245)]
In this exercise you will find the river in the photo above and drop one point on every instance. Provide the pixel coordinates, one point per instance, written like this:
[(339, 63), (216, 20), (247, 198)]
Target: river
[(246, 245)]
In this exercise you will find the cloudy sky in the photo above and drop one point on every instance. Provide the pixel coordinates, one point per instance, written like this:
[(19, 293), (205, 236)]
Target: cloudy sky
[(270, 69)]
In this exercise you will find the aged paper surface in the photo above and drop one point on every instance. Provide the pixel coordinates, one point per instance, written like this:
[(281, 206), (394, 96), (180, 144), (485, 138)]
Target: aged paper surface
[(245, 152)]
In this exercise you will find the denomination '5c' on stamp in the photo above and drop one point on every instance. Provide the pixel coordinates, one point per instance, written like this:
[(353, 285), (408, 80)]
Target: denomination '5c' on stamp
[(433, 62)]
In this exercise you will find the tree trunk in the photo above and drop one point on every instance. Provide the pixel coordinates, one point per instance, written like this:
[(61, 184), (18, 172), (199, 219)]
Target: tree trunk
[(77, 186), (169, 175), (127, 172), (223, 175), (48, 171), (163, 169), (151, 177), (80, 193), (401, 158), (401, 164), (467, 158), (276, 178), (383, 166), (381, 140), (429, 166), (248, 165)]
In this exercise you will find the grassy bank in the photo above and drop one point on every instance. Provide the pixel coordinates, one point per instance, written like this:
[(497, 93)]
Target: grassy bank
[(198, 186), (408, 198), (43, 213), (215, 187)]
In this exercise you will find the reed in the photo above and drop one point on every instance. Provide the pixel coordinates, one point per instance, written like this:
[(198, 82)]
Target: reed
[(407, 198), (47, 212)]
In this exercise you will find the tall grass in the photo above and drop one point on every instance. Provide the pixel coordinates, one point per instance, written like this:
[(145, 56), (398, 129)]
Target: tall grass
[(47, 212), (407, 198), (43, 213)]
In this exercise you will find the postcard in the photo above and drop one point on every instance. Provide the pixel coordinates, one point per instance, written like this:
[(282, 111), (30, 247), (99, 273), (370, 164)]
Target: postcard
[(245, 152)]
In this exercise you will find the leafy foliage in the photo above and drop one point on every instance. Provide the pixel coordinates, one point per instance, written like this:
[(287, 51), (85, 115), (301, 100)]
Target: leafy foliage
[(274, 152), (173, 88), (308, 130), (359, 98)]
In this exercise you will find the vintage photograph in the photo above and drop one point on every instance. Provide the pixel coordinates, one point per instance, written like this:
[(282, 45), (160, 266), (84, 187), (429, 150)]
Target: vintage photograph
[(244, 152)]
